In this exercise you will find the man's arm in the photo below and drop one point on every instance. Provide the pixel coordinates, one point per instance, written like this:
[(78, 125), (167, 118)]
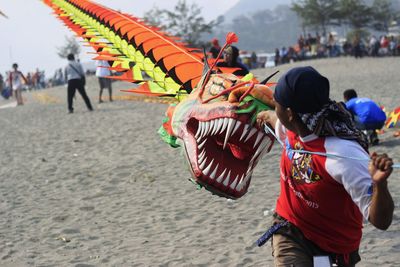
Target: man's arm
[(82, 71), (23, 77), (10, 80), (382, 206)]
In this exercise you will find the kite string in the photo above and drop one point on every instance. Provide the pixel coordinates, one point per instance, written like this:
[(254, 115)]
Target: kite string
[(267, 129)]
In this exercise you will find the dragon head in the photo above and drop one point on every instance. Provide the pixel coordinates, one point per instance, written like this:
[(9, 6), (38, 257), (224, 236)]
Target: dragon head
[(215, 126)]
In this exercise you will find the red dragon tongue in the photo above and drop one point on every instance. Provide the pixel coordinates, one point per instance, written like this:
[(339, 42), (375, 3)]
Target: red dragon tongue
[(238, 152)]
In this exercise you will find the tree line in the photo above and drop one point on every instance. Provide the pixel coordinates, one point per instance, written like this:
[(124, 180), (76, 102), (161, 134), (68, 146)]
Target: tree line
[(357, 14)]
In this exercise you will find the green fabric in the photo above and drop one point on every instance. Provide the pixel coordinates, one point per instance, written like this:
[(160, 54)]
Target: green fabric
[(171, 140), (255, 106)]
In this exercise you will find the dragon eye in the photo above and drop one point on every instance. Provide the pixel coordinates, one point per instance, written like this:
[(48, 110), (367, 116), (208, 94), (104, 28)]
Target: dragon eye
[(216, 88)]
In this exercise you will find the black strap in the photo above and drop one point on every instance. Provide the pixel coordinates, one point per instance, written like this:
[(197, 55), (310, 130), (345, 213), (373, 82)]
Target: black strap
[(78, 72), (272, 230)]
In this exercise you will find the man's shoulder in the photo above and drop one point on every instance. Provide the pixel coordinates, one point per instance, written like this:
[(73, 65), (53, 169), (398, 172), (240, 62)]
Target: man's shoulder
[(339, 146)]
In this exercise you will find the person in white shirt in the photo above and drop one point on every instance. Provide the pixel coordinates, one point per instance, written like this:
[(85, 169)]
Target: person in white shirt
[(102, 72), (17, 79), (75, 76)]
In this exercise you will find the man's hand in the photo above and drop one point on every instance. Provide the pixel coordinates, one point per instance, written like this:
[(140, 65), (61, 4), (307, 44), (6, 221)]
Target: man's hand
[(268, 116), (380, 168), (382, 206)]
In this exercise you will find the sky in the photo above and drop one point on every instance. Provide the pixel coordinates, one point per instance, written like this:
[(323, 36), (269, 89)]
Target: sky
[(31, 34)]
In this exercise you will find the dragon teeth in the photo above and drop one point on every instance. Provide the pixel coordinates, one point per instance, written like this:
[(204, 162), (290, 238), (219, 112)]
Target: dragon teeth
[(262, 146), (205, 127), (258, 139), (211, 126), (231, 125), (199, 130), (202, 144), (228, 177), (241, 179), (233, 185), (212, 175), (201, 156), (219, 179), (217, 126), (224, 124), (245, 130), (207, 170), (238, 123), (203, 164), (243, 182), (252, 132)]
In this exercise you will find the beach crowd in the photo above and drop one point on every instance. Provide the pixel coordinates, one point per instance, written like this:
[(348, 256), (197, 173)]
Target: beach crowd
[(316, 46), (35, 80)]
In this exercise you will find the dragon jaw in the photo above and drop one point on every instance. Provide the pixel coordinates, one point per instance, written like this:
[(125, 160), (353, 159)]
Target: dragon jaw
[(221, 146), (224, 152)]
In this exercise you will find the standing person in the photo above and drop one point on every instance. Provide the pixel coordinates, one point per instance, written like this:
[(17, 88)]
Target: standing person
[(29, 81), (17, 79), (75, 76), (215, 48), (36, 78), (253, 60), (1, 84), (372, 46), (323, 200), (357, 47), (277, 57), (368, 116), (102, 72)]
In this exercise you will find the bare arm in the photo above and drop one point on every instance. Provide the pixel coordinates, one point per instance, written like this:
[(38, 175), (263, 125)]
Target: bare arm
[(382, 206), (23, 77), (10, 80)]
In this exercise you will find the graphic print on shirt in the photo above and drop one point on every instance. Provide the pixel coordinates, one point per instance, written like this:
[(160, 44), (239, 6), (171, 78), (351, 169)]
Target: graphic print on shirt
[(301, 165)]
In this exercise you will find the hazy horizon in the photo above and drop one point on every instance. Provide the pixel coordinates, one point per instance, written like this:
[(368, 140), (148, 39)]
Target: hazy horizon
[(31, 38)]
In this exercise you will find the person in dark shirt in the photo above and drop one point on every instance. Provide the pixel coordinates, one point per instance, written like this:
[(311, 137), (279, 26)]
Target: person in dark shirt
[(215, 48), (231, 56)]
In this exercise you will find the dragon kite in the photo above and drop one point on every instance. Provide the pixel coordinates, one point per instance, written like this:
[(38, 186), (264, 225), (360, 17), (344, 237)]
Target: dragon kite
[(214, 119)]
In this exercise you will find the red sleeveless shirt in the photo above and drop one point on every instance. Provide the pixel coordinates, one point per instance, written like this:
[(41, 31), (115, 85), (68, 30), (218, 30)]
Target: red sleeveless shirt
[(318, 198)]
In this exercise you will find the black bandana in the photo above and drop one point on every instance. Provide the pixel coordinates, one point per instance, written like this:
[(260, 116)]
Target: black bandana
[(334, 120), (306, 92)]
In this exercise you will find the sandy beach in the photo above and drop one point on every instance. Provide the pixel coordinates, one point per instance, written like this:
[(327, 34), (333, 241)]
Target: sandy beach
[(102, 189)]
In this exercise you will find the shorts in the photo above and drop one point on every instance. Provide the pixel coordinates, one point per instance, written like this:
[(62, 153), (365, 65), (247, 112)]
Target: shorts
[(291, 248), (368, 125), (104, 83)]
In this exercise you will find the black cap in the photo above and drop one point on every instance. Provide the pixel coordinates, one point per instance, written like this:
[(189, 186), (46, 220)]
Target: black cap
[(303, 90)]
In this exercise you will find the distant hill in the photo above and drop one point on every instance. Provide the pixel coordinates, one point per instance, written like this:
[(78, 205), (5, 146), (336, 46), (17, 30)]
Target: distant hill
[(264, 25), (261, 25), (244, 7)]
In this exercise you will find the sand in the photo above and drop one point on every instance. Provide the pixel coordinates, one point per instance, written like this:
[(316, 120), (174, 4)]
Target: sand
[(101, 188)]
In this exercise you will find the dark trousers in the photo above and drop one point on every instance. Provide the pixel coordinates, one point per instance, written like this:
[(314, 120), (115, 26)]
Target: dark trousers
[(72, 86)]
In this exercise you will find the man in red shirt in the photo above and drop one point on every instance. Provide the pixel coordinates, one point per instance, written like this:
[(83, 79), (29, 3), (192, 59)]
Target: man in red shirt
[(323, 200)]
